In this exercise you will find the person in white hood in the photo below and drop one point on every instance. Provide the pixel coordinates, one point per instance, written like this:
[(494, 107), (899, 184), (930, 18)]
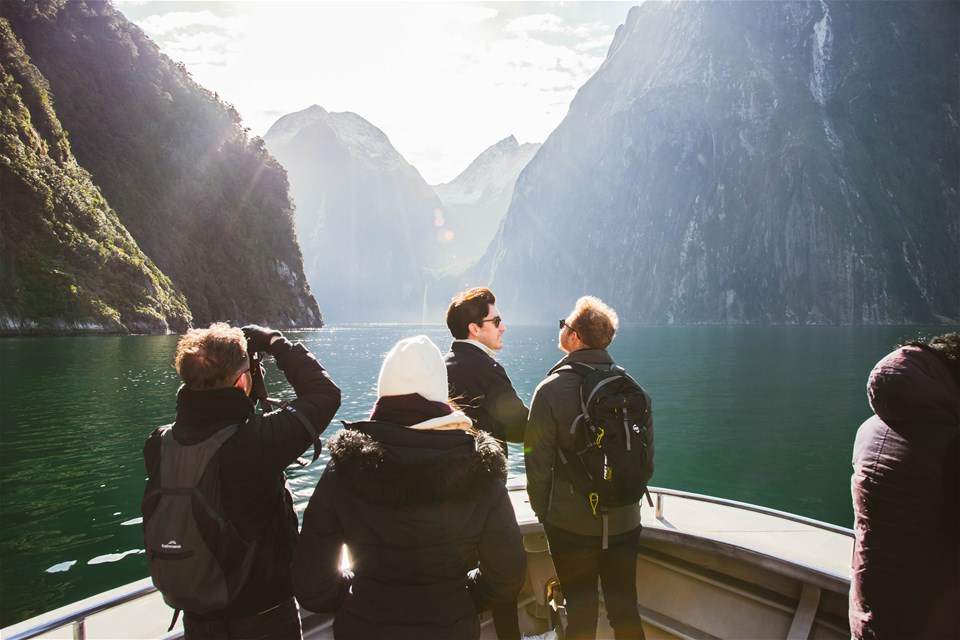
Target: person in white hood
[(418, 497)]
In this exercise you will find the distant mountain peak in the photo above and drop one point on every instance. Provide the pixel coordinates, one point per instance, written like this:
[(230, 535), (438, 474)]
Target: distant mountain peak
[(490, 167), (358, 135)]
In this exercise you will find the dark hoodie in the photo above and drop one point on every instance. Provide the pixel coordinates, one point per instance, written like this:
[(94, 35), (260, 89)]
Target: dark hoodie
[(905, 580), (431, 533)]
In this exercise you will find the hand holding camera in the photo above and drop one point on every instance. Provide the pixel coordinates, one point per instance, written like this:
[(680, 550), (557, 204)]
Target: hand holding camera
[(258, 338)]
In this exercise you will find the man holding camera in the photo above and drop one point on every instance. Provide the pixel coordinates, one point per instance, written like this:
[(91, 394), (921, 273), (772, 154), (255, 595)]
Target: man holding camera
[(215, 367)]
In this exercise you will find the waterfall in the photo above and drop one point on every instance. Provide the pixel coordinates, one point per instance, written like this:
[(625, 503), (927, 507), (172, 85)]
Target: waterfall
[(822, 50)]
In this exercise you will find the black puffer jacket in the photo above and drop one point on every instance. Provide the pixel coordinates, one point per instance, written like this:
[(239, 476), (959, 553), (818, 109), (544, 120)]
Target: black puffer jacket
[(431, 533), (905, 578)]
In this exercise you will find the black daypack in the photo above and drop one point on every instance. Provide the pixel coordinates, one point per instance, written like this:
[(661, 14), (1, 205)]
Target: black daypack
[(196, 557), (612, 459)]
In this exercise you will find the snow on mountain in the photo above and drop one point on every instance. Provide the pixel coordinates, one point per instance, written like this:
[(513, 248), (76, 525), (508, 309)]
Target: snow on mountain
[(492, 172), (475, 201)]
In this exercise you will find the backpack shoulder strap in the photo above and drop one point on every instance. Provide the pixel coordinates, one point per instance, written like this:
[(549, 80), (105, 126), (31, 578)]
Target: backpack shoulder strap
[(583, 370), (614, 373), (185, 464), (580, 368), (308, 427)]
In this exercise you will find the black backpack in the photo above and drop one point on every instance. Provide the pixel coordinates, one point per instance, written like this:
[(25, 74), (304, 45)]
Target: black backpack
[(612, 460), (196, 558)]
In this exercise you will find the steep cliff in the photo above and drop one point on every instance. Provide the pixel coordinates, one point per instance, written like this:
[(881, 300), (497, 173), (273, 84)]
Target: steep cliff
[(751, 162), (208, 206), (371, 229), (67, 265)]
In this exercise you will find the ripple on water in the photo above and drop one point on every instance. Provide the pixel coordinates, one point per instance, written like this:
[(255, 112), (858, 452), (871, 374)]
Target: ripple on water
[(113, 557), (63, 566)]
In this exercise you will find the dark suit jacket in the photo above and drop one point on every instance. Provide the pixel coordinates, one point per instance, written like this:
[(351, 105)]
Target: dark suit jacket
[(481, 387)]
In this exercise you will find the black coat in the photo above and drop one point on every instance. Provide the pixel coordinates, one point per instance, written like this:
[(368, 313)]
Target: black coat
[(481, 387), (253, 486), (430, 530)]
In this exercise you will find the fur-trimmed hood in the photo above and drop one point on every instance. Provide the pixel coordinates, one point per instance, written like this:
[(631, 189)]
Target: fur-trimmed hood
[(395, 465)]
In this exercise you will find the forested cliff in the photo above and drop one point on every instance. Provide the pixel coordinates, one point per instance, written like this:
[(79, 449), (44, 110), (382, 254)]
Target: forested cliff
[(66, 262), (205, 204)]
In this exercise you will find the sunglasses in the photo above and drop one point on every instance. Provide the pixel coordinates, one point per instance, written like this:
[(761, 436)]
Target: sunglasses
[(563, 323), (496, 321)]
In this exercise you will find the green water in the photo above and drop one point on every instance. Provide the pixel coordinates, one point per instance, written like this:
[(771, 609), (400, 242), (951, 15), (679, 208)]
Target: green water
[(760, 414)]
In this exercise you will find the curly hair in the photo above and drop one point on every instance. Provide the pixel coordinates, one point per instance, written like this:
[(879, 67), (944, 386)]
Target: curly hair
[(595, 322), (211, 358), (946, 347), (468, 307)]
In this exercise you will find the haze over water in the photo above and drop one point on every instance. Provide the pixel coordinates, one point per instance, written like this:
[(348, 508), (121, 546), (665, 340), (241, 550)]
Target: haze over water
[(759, 414)]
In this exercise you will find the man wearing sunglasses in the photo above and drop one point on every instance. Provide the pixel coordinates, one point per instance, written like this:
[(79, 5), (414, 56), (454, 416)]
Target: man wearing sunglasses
[(482, 389), (478, 383), (584, 548)]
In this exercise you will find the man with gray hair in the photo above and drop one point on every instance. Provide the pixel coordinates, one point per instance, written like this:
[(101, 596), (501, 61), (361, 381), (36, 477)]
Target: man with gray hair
[(584, 547)]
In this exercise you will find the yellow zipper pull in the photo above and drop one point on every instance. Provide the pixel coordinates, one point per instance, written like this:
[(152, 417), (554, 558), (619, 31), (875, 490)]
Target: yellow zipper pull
[(594, 501)]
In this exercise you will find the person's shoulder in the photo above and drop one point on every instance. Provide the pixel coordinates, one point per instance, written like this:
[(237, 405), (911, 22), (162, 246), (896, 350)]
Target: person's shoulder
[(552, 380), (157, 433), (463, 353), (464, 348)]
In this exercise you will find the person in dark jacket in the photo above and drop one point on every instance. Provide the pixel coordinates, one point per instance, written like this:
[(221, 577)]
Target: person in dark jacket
[(480, 385), (215, 369), (418, 497), (905, 580), (574, 534)]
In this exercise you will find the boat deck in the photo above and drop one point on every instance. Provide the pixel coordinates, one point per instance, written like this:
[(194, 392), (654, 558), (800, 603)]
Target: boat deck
[(791, 574)]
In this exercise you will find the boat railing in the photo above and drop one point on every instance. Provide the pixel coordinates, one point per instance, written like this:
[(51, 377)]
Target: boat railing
[(661, 494), (518, 483), (77, 617)]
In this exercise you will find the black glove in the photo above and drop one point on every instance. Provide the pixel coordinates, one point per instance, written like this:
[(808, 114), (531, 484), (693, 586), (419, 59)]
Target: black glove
[(258, 338)]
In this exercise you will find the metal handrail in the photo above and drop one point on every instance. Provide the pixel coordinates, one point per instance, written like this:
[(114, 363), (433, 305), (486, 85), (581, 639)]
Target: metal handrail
[(78, 617), (519, 483), (819, 524)]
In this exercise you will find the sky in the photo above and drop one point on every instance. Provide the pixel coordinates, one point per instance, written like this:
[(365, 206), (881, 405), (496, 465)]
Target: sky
[(443, 80)]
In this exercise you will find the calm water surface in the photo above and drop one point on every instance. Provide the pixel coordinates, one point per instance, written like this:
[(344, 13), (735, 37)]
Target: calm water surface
[(759, 414)]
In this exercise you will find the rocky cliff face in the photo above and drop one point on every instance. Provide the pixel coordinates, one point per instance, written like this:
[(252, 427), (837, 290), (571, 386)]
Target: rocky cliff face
[(475, 202), (370, 228), (750, 162)]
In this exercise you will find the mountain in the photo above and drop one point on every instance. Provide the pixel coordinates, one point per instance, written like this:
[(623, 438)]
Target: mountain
[(750, 162), (370, 228), (209, 206), (67, 265), (475, 201)]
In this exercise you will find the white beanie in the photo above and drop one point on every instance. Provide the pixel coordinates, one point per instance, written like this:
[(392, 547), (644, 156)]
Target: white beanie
[(414, 365)]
